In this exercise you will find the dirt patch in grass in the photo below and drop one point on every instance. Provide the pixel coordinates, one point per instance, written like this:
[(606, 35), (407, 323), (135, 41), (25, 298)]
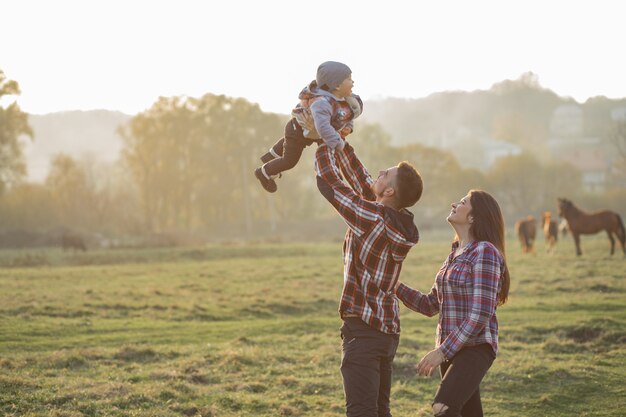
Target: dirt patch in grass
[(70, 362), (15, 385), (584, 334), (6, 363), (288, 381), (132, 354), (604, 288), (318, 388)]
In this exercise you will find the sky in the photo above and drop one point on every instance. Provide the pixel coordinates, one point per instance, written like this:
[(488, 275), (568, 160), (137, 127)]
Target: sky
[(123, 55)]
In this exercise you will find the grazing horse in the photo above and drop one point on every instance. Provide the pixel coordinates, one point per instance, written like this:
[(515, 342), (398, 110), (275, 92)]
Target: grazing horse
[(526, 230), (73, 242), (563, 228), (550, 231), (581, 223)]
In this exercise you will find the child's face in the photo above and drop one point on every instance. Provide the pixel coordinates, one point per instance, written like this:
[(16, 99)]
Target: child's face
[(345, 88)]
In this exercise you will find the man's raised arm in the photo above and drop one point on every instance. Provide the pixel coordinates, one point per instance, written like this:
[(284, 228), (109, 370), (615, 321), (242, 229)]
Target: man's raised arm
[(359, 213), (355, 173)]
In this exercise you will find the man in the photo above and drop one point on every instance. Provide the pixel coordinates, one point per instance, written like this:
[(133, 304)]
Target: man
[(380, 233)]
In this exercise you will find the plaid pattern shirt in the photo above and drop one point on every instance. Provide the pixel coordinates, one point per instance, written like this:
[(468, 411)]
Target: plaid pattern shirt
[(377, 240), (465, 294)]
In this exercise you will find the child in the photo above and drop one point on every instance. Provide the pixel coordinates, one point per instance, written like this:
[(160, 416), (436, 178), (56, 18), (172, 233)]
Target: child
[(325, 113)]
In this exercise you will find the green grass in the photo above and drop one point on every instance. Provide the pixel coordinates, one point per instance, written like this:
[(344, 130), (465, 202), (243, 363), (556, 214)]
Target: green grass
[(252, 330)]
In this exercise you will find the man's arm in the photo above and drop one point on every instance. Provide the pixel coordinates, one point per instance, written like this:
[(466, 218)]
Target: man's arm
[(355, 173), (359, 214)]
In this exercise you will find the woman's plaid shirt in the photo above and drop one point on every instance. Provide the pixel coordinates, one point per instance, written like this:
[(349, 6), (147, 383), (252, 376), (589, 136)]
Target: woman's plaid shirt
[(465, 295), (377, 241)]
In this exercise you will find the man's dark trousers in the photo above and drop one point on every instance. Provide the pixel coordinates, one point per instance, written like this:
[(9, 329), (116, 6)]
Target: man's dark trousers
[(366, 367)]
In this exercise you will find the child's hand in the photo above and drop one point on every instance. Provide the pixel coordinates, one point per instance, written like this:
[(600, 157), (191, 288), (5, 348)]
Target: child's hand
[(345, 132)]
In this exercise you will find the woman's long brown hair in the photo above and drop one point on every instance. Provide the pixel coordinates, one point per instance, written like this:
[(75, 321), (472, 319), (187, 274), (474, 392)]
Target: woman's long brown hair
[(488, 225)]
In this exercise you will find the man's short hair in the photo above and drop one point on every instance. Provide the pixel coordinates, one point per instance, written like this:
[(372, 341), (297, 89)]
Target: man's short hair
[(409, 185)]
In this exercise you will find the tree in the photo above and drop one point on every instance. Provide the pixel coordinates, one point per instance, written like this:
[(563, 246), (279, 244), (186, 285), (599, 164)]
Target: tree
[(560, 179), (67, 181), (191, 159), (444, 179), (27, 207), (517, 182), (13, 123), (618, 140), (370, 141)]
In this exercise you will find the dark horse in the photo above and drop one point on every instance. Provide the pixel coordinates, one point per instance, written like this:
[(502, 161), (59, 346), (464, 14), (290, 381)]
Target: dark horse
[(526, 231), (550, 231), (581, 223), (74, 242)]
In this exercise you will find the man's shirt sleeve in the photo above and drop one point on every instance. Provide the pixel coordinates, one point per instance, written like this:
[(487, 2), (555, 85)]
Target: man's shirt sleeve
[(359, 214), (355, 173)]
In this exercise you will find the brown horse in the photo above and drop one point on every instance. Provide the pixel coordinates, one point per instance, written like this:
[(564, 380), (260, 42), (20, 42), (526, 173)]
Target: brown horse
[(550, 231), (74, 242), (563, 228), (526, 231), (581, 223)]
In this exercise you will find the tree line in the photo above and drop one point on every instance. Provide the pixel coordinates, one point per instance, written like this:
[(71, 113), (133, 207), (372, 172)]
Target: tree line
[(187, 169)]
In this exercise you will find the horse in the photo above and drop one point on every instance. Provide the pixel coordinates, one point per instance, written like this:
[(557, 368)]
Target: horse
[(73, 242), (563, 228), (581, 223), (550, 231), (526, 230)]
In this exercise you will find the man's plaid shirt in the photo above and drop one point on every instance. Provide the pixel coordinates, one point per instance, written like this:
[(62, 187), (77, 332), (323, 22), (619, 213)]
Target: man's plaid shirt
[(465, 294), (377, 241)]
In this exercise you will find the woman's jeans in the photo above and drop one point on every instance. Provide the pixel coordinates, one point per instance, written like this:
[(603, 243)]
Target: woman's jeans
[(461, 377)]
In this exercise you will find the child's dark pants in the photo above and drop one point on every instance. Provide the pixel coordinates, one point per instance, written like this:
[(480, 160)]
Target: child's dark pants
[(289, 149)]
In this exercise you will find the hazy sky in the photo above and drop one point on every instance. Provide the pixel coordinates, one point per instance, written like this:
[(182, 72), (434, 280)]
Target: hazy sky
[(122, 55)]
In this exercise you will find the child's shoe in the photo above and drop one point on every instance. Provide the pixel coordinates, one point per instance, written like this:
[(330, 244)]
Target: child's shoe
[(268, 183)]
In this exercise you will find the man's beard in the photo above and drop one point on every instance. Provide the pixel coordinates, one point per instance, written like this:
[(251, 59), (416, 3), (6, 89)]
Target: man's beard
[(373, 189)]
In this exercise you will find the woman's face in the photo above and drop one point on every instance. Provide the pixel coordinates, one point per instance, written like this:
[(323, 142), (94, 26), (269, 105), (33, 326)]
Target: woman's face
[(459, 214)]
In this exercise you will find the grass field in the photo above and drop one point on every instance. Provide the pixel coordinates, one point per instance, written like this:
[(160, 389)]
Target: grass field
[(252, 330)]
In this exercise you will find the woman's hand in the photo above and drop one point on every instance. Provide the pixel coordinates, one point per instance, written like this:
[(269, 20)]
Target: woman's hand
[(433, 359)]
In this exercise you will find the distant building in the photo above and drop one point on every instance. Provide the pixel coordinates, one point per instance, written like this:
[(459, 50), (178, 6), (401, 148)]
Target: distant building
[(567, 121), (591, 156), (588, 155), (618, 114), (495, 149)]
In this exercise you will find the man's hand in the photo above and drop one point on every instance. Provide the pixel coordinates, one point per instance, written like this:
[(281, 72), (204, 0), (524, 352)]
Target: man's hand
[(433, 359), (309, 123)]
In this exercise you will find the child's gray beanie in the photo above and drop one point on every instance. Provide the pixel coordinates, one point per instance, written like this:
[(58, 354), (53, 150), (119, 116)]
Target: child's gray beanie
[(332, 74)]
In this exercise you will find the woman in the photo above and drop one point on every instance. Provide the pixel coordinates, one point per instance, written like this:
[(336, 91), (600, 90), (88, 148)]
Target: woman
[(472, 282)]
